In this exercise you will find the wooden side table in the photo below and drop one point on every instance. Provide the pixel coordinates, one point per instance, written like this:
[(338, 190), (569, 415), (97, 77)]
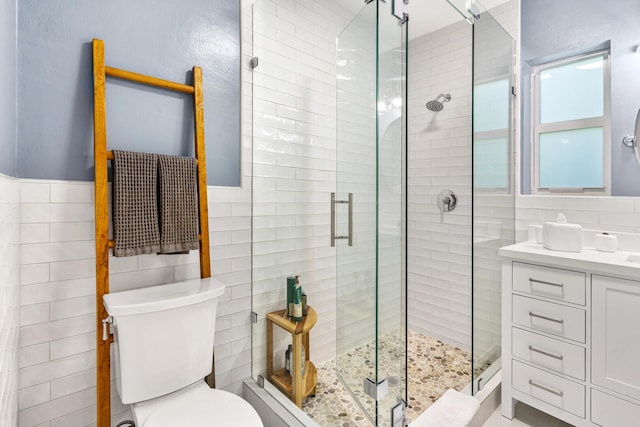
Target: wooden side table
[(294, 385)]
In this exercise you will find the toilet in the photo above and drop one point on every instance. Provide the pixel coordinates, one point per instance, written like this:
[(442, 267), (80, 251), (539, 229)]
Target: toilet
[(163, 348)]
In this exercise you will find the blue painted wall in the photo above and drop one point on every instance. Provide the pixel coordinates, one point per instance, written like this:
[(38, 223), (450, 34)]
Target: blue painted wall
[(8, 87), (551, 27), (162, 38)]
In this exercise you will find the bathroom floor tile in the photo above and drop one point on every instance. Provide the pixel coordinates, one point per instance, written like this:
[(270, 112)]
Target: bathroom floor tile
[(433, 368)]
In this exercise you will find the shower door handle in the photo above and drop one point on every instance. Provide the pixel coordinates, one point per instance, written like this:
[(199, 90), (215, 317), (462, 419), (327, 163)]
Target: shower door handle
[(349, 235)]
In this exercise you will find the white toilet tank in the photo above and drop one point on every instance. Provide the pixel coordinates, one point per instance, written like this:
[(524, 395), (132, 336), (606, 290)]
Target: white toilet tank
[(163, 336)]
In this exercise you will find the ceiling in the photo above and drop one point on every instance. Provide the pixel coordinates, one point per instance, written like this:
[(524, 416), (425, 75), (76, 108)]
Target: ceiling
[(427, 16)]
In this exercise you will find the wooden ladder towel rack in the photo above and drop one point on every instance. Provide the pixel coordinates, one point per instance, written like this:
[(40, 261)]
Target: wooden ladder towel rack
[(103, 244)]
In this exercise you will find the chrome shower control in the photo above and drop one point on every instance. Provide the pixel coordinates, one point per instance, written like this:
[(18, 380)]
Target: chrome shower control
[(447, 201)]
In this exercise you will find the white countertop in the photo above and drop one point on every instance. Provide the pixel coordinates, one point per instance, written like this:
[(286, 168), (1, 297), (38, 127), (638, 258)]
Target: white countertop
[(589, 259)]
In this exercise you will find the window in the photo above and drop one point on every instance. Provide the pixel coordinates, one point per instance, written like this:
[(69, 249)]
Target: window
[(571, 125), (491, 153)]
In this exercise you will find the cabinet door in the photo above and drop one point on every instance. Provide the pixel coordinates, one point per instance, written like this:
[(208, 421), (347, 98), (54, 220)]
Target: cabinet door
[(607, 410), (616, 337)]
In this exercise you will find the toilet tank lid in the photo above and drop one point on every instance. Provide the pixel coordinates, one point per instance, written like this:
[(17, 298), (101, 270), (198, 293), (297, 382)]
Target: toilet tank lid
[(162, 297)]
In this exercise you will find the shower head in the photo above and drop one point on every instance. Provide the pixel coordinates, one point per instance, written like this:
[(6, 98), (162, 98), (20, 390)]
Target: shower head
[(438, 103)]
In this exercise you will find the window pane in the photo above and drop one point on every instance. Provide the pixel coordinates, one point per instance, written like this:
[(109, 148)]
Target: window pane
[(572, 91), (571, 159), (491, 163), (491, 106)]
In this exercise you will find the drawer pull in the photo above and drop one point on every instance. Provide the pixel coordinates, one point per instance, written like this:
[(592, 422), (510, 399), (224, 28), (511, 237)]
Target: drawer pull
[(556, 392), (555, 356), (542, 282), (550, 319)]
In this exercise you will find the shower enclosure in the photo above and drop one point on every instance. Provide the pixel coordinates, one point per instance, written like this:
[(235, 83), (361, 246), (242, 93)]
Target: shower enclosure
[(328, 188), (340, 163), (370, 177)]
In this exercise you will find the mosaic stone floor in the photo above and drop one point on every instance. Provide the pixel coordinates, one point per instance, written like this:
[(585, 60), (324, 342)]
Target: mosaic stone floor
[(433, 368)]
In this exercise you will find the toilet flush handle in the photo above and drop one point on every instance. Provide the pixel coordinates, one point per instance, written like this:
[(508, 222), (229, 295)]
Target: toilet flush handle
[(105, 327)]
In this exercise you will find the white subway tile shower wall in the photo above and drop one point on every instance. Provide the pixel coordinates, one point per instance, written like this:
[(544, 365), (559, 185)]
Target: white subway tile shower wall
[(295, 157), (439, 252), (9, 298), (294, 171), (439, 158)]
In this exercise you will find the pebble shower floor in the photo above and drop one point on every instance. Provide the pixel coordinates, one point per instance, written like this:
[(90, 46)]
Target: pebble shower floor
[(433, 368)]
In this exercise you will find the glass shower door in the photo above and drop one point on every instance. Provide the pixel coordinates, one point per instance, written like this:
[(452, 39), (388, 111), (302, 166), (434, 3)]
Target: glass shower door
[(369, 211), (356, 180), (493, 187)]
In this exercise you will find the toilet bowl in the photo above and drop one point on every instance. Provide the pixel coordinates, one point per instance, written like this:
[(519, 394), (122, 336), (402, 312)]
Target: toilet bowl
[(196, 405), (163, 348)]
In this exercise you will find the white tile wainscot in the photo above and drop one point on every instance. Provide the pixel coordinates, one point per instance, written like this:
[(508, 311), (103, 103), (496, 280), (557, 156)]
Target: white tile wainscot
[(9, 298), (613, 214), (570, 343), (57, 297)]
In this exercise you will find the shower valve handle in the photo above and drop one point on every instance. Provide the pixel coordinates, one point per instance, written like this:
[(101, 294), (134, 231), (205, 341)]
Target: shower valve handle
[(447, 201)]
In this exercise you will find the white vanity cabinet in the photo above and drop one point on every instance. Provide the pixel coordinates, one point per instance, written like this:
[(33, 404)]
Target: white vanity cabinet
[(571, 335)]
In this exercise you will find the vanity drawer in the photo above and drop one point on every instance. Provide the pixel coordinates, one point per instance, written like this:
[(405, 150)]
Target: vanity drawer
[(549, 388), (556, 319), (549, 353), (564, 285)]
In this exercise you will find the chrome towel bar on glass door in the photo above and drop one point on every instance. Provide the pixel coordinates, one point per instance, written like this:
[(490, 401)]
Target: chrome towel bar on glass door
[(349, 236)]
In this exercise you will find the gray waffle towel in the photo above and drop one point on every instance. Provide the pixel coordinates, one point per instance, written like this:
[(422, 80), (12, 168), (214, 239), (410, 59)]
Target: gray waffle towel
[(135, 203), (178, 204)]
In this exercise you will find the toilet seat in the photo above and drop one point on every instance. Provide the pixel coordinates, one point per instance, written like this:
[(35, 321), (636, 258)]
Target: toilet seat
[(196, 406)]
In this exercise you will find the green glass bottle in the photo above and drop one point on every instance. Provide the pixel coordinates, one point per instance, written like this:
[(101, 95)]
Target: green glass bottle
[(291, 284), (297, 301)]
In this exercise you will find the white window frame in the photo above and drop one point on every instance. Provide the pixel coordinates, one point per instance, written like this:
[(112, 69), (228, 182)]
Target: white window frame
[(605, 122)]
